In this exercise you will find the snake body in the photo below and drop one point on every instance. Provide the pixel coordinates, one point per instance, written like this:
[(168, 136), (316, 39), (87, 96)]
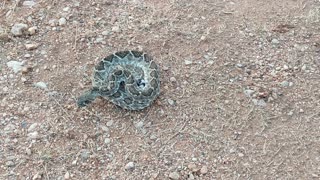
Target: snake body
[(129, 79)]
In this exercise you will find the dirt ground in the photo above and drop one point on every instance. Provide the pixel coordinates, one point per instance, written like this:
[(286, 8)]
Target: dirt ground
[(240, 90)]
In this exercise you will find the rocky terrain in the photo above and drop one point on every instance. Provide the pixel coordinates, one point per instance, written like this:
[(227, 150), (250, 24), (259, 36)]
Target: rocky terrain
[(240, 90)]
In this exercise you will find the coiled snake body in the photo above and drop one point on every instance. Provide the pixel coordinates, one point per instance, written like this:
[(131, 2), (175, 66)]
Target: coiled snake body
[(129, 79)]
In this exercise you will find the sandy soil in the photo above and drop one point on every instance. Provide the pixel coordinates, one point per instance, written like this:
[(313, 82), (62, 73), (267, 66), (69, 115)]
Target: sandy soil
[(239, 99)]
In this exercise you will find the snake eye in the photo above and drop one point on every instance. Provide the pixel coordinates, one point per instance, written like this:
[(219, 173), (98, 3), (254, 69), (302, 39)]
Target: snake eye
[(141, 83)]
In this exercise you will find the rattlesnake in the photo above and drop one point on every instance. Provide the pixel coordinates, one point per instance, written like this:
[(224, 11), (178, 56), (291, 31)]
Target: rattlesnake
[(129, 79)]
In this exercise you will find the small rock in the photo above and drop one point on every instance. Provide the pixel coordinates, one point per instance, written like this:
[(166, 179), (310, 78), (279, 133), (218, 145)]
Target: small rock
[(67, 175), (16, 66), (248, 92), (62, 21), (275, 41), (174, 175), (285, 67), (33, 135), (204, 170), (171, 102), (105, 128), (105, 33), (240, 65), (28, 151), (115, 29), (109, 123), (173, 79), (284, 83), (191, 176), (27, 55), (304, 67), (31, 46), (99, 40), (139, 124), (10, 163), (4, 36), (37, 176), (290, 84), (107, 140), (25, 70), (32, 127), (153, 137), (192, 167), (32, 30), (52, 22), (259, 102), (130, 166), (66, 9), (9, 128), (41, 85), (187, 62), (85, 154), (165, 68), (19, 29), (28, 3)]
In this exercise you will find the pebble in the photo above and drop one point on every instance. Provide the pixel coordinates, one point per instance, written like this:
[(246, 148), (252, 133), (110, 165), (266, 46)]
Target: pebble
[(285, 67), (105, 128), (192, 167), (130, 166), (16, 66), (32, 30), (304, 67), (62, 21), (187, 62), (174, 175), (204, 170), (107, 140), (66, 9), (52, 22), (18, 29), (115, 29), (32, 127), (248, 92), (284, 83), (4, 36), (67, 175), (173, 79), (10, 163), (31, 46), (33, 135), (259, 102), (28, 151), (27, 55), (153, 137), (109, 123), (28, 3), (171, 102), (41, 85), (139, 124), (100, 40), (85, 154), (105, 33), (275, 41), (9, 128)]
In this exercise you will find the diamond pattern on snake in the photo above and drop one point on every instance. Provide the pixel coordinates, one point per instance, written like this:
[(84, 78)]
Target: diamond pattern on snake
[(129, 79)]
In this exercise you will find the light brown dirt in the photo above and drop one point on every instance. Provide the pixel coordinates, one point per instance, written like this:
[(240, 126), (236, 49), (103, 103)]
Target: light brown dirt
[(203, 125)]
